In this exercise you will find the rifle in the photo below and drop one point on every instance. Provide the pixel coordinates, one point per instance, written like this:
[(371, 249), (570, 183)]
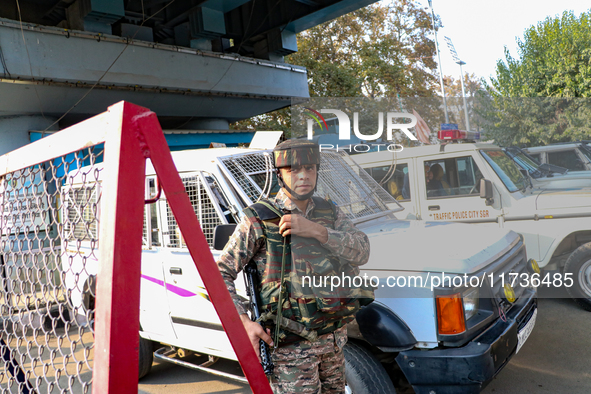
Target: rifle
[(252, 285)]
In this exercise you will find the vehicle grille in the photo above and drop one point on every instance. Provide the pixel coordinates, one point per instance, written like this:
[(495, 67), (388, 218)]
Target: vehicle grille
[(510, 268)]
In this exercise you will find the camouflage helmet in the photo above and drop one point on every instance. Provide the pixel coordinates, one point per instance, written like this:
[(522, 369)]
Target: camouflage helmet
[(296, 153)]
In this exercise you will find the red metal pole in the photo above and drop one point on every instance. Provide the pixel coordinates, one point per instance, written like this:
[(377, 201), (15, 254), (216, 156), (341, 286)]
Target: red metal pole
[(118, 280), (155, 146)]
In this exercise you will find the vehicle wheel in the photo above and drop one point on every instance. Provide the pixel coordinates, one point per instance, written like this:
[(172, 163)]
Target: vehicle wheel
[(579, 264), (146, 353), (364, 373)]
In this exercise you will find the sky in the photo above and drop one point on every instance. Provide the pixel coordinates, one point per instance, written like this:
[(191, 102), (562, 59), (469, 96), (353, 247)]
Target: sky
[(480, 29)]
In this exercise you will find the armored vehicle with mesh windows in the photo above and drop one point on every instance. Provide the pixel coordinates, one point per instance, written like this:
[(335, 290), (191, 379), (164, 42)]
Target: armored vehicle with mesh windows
[(443, 337)]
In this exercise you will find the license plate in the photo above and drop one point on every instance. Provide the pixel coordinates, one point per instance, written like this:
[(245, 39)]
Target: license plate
[(524, 333)]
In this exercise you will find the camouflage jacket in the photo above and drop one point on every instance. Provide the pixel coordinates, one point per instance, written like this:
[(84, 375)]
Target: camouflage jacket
[(345, 241)]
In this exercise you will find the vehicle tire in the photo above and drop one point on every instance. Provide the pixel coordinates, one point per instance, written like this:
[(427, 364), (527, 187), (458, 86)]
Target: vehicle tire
[(364, 373), (579, 264), (146, 357)]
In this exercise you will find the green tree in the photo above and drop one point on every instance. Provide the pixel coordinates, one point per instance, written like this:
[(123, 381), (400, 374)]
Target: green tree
[(554, 60), (473, 87), (279, 120), (536, 98), (382, 50)]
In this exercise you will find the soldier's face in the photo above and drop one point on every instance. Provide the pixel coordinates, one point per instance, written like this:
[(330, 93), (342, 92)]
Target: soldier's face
[(300, 179)]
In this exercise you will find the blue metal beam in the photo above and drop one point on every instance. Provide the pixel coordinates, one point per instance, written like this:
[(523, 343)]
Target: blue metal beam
[(327, 13), (189, 140), (200, 140)]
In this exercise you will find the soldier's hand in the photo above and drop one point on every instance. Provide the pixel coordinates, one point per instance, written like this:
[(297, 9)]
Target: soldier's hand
[(255, 333), (299, 225)]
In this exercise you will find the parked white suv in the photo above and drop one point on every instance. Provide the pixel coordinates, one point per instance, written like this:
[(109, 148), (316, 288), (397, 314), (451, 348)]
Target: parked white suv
[(479, 183)]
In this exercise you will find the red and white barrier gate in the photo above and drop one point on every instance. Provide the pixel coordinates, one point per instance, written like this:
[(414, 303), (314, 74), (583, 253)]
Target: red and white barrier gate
[(43, 346)]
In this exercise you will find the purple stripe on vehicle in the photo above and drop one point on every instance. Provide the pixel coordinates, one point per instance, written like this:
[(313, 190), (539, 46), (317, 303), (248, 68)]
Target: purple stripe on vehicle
[(175, 289)]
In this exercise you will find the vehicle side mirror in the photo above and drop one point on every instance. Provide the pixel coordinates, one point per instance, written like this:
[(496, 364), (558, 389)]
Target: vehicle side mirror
[(222, 234), (486, 191)]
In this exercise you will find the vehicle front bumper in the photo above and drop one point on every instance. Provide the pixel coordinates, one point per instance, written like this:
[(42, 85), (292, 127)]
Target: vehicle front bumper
[(468, 369)]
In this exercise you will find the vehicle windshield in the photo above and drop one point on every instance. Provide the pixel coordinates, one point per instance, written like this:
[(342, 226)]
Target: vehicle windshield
[(506, 169), (526, 162)]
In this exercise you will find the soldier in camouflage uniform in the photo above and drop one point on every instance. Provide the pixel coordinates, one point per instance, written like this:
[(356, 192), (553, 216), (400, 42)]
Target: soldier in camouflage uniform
[(307, 348)]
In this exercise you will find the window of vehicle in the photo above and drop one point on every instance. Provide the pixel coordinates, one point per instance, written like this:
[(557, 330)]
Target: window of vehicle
[(252, 175), (207, 209), (567, 159), (459, 176), (536, 156), (219, 195), (394, 178), (81, 205), (525, 161), (506, 169)]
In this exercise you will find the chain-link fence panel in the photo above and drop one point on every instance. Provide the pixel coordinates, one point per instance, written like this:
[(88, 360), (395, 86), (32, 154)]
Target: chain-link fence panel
[(48, 265)]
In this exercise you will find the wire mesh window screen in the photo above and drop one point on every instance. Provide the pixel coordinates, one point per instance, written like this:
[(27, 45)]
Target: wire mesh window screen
[(344, 186), (204, 209), (378, 190), (81, 205), (48, 263), (253, 174), (340, 179), (145, 241), (150, 234), (351, 188)]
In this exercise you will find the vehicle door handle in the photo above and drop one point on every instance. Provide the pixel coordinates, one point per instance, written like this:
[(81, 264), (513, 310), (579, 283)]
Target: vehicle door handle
[(176, 271), (433, 208)]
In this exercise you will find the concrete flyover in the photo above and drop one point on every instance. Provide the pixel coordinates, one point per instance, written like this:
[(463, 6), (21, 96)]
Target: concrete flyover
[(214, 60)]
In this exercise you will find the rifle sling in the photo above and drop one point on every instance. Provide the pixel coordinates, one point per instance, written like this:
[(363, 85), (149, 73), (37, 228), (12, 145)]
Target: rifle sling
[(291, 326)]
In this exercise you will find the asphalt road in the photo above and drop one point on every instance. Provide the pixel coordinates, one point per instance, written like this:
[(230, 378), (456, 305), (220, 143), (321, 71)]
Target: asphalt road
[(555, 359), (557, 356)]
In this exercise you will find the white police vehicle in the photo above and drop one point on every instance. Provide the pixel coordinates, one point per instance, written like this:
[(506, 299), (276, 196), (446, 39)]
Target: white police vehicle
[(441, 336), (548, 176), (480, 183)]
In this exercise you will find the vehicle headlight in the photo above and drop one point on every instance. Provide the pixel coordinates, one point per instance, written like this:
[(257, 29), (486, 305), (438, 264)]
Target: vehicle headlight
[(509, 293), (533, 266), (470, 299)]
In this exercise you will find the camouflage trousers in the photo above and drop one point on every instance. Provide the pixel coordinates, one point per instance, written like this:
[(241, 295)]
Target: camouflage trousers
[(311, 367)]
